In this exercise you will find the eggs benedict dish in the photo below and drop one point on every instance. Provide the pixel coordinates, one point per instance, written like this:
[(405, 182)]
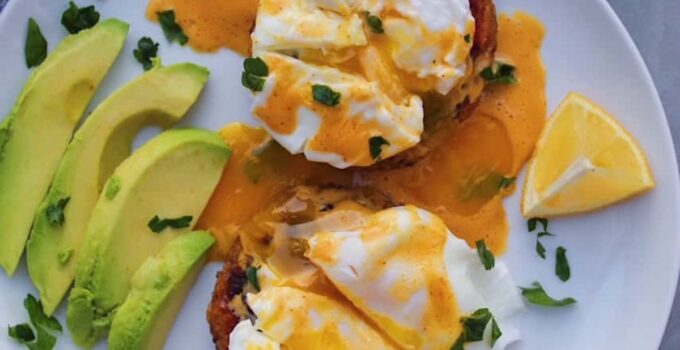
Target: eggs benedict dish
[(358, 277), (352, 82)]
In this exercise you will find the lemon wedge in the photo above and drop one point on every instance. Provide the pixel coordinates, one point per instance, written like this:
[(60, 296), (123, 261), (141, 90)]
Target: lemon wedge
[(584, 160)]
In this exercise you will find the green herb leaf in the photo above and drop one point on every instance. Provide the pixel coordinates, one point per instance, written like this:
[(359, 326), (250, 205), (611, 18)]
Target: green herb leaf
[(252, 82), (467, 38), (112, 188), (375, 145), (35, 49), (157, 224), (325, 95), (256, 66), (506, 182), (38, 317), (537, 295), (501, 73), (75, 18), (475, 324), (375, 23), (540, 249), (495, 332), (172, 30), (55, 211), (22, 333), (562, 269), (542, 234), (251, 275), (65, 256), (145, 51), (485, 255), (531, 224)]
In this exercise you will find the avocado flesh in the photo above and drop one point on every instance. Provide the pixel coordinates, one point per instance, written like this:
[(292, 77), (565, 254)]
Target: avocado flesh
[(34, 135), (173, 175), (159, 97), (159, 288)]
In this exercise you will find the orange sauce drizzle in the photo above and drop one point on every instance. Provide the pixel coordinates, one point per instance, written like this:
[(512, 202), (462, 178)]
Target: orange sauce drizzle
[(211, 24), (459, 180)]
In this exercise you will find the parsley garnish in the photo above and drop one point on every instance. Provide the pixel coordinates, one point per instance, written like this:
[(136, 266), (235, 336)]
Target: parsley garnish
[(251, 275), (55, 211), (499, 72), (172, 30), (325, 95), (474, 326), (35, 49), (485, 255), (145, 51), (75, 18), (562, 269), (112, 188), (46, 327), (255, 71), (467, 38), (375, 23), (531, 226), (506, 182), (375, 145), (157, 224), (537, 295)]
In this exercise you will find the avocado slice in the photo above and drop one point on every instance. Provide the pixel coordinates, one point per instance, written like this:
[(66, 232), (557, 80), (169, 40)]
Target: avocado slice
[(170, 177), (159, 288), (161, 96), (34, 135)]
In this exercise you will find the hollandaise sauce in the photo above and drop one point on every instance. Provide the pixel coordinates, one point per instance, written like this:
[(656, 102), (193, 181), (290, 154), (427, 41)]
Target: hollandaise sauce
[(211, 24), (463, 179)]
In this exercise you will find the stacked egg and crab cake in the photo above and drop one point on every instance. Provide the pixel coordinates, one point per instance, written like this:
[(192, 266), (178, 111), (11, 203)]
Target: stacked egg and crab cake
[(344, 81), (361, 275)]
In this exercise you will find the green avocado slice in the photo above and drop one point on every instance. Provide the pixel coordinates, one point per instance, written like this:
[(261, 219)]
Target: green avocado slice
[(34, 135), (170, 177), (160, 97), (159, 288)]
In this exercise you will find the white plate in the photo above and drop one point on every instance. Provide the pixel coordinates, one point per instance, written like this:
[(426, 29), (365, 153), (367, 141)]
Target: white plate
[(624, 259)]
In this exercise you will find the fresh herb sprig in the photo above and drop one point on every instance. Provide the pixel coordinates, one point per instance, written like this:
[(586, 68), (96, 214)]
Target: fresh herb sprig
[(251, 275), (375, 146), (532, 225), (145, 51), (537, 295), (172, 30), (324, 95), (55, 212), (157, 224), (375, 23), (474, 326), (499, 73), (35, 49), (75, 18), (42, 333), (255, 71), (562, 269), (485, 255)]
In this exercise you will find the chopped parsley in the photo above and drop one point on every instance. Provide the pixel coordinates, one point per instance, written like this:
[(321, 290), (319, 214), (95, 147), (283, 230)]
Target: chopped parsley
[(467, 38), (45, 327), (157, 224), (532, 225), (112, 188), (251, 275), (375, 23), (375, 145), (485, 255), (75, 18), (255, 70), (562, 269), (172, 30), (55, 211), (325, 95), (506, 182), (35, 49), (145, 51), (474, 326), (499, 72), (536, 295)]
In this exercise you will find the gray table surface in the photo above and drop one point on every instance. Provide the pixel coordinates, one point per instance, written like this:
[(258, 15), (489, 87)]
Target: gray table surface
[(655, 27)]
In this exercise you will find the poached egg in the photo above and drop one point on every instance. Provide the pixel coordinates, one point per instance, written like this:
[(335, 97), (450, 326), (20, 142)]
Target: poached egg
[(379, 67)]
